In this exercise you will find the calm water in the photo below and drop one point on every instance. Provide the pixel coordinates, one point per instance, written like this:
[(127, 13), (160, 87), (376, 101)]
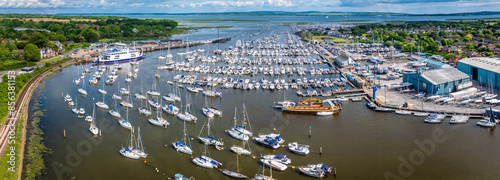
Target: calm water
[(360, 143)]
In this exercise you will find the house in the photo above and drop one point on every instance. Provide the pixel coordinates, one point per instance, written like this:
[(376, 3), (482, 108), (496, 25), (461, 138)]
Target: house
[(470, 54), (46, 53), (453, 37), (495, 50), (70, 42), (454, 59), (450, 49), (21, 51)]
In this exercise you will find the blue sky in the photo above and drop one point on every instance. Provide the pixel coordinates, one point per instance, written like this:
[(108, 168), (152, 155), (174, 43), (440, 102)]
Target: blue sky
[(190, 6)]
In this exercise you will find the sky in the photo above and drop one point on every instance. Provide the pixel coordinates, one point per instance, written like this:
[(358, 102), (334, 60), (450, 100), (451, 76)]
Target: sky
[(200, 6)]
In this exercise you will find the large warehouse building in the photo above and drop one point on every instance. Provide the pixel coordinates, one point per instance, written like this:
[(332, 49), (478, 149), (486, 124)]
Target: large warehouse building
[(483, 70), (438, 81)]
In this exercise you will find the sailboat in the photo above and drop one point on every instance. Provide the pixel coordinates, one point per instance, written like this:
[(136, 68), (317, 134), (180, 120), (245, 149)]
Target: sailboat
[(187, 116), (161, 57), (158, 121), (262, 176), (234, 131), (114, 112), (140, 96), (241, 149), (127, 103), (103, 90), (153, 92), (102, 104), (75, 110), (82, 91), (125, 123), (77, 80), (239, 131), (93, 128), (210, 140), (169, 57), (235, 174), (127, 152), (206, 161), (181, 146), (139, 149), (144, 110), (488, 121), (90, 118)]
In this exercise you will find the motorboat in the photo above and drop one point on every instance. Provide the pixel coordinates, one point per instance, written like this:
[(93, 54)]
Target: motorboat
[(403, 112), (434, 118), (274, 164), (459, 119), (279, 157), (298, 148), (371, 105), (272, 141)]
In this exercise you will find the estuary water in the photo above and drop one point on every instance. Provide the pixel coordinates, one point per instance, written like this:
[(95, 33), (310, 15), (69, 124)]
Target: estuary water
[(358, 142)]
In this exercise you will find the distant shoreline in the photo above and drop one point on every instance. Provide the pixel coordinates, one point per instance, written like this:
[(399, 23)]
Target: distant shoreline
[(307, 13)]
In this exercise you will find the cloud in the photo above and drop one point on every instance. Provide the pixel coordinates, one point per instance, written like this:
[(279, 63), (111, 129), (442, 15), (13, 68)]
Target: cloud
[(279, 3), (227, 3), (136, 4), (190, 6)]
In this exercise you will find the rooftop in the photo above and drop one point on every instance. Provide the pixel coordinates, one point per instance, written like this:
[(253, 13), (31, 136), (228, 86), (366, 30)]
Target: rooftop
[(437, 63), (489, 64), (440, 76)]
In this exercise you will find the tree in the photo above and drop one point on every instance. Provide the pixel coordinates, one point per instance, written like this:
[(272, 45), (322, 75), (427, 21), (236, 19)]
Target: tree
[(16, 55), (432, 47), (388, 43), (61, 38), (39, 39), (90, 35), (468, 38), (11, 46), (445, 42), (53, 46), (32, 53), (21, 44), (469, 46), (489, 54), (79, 38)]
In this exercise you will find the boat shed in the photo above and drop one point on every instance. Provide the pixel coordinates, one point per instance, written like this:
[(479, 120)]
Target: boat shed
[(437, 81), (343, 60), (484, 70)]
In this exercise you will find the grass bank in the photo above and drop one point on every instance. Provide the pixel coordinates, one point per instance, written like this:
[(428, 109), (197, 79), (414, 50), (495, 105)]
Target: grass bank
[(327, 39)]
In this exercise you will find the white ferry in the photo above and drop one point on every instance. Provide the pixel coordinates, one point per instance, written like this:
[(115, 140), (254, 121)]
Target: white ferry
[(119, 53)]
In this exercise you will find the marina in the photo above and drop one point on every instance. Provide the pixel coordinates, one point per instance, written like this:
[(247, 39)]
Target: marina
[(321, 116)]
